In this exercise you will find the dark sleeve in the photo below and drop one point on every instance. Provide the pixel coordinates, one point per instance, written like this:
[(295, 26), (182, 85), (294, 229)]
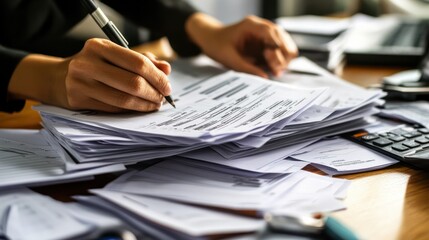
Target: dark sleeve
[(24, 22), (9, 59), (162, 18)]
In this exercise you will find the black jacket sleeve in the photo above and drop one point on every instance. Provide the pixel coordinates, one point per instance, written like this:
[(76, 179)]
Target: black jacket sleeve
[(40, 26), (9, 59), (27, 23), (162, 18)]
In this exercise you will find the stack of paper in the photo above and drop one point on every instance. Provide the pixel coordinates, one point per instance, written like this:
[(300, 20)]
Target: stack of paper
[(228, 107), (184, 181), (27, 215), (181, 199), (179, 221), (238, 115), (344, 107), (27, 158)]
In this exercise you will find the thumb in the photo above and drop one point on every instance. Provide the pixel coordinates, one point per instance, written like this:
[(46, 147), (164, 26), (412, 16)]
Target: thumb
[(242, 64)]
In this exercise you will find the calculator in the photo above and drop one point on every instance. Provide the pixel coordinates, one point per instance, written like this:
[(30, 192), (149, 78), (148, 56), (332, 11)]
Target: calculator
[(406, 143)]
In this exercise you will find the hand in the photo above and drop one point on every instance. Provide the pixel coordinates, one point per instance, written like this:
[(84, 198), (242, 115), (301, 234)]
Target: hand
[(107, 77), (102, 76), (251, 45)]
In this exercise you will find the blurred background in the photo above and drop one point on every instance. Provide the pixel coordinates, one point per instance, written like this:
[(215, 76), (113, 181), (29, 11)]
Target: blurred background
[(271, 9)]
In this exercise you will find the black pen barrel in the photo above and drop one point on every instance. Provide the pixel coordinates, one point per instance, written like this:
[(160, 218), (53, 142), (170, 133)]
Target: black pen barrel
[(89, 5), (112, 33)]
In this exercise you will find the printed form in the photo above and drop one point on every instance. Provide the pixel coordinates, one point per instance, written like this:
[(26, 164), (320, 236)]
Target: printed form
[(225, 104)]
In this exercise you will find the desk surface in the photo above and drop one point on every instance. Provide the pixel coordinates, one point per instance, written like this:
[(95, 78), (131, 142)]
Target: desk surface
[(386, 204)]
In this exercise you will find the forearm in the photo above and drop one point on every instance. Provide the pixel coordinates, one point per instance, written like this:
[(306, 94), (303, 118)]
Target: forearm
[(201, 28), (250, 45), (36, 77), (102, 76)]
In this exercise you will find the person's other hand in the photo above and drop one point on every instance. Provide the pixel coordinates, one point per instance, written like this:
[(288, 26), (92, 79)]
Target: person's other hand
[(107, 77), (251, 46)]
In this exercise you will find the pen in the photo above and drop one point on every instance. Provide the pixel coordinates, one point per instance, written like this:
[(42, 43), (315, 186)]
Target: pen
[(111, 31)]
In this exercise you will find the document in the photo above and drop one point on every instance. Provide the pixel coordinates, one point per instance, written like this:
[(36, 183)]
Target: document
[(266, 162), (339, 156), (314, 24), (181, 181), (26, 158), (190, 220), (230, 107), (233, 115), (25, 214), (230, 103), (412, 112), (140, 228)]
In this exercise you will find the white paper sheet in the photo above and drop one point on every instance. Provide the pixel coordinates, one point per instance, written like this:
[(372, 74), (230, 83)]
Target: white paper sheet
[(26, 158), (343, 156), (194, 221), (27, 215), (198, 185), (413, 112), (226, 104)]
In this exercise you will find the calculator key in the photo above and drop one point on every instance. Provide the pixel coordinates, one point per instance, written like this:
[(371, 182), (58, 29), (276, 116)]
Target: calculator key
[(407, 129), (397, 138), (411, 144), (421, 156), (382, 142), (400, 147), (423, 130), (388, 134), (421, 140), (415, 134), (369, 137), (408, 135)]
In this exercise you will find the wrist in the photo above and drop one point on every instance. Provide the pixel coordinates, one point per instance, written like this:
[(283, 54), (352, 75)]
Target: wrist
[(202, 28), (36, 77)]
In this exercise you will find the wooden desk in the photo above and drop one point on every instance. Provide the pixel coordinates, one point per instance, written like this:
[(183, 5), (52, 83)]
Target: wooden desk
[(386, 204), (391, 203), (27, 118)]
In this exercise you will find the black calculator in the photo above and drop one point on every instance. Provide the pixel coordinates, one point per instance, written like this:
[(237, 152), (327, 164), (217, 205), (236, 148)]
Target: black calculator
[(406, 143)]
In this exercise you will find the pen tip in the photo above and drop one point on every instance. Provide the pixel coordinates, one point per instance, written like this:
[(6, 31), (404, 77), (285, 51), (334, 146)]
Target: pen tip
[(170, 100)]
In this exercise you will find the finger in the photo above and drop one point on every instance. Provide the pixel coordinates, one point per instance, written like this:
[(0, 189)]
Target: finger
[(263, 30), (274, 37), (237, 62), (288, 46), (160, 64), (271, 38), (124, 81), (131, 61), (113, 97), (93, 104), (275, 61)]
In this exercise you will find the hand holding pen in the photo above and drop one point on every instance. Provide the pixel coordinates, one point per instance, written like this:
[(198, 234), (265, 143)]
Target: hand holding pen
[(108, 77)]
